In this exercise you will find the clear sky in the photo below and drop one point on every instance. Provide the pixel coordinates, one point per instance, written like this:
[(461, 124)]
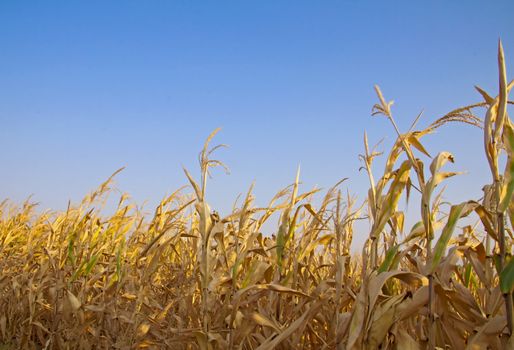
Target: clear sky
[(88, 87)]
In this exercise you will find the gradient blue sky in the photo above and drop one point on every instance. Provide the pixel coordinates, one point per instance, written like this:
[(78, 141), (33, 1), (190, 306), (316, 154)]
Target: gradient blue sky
[(87, 87)]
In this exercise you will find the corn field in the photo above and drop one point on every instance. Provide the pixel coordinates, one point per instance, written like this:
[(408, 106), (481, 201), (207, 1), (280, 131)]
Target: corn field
[(188, 278)]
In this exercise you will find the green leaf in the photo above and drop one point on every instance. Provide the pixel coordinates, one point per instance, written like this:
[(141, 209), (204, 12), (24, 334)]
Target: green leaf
[(467, 275), (386, 264), (282, 237), (78, 272), (456, 212), (91, 264), (71, 256), (496, 261), (507, 277)]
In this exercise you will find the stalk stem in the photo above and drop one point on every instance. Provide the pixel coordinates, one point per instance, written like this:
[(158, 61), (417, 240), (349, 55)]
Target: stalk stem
[(506, 296), (431, 311)]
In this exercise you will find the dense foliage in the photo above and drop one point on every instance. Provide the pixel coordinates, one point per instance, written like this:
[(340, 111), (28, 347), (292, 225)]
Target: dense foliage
[(187, 278)]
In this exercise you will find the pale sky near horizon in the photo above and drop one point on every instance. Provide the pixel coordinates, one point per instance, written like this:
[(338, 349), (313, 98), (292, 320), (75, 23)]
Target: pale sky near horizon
[(89, 87)]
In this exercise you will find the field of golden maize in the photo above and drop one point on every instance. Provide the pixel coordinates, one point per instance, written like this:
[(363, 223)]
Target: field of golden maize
[(188, 278)]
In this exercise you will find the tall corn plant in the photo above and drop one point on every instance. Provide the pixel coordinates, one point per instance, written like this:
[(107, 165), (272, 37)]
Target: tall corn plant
[(498, 143), (499, 138), (206, 223), (383, 208)]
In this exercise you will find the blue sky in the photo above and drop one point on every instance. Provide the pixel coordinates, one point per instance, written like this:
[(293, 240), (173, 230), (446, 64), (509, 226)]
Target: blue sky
[(87, 87)]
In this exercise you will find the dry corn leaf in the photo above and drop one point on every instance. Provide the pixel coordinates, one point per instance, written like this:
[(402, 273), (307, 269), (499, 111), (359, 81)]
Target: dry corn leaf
[(74, 301)]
